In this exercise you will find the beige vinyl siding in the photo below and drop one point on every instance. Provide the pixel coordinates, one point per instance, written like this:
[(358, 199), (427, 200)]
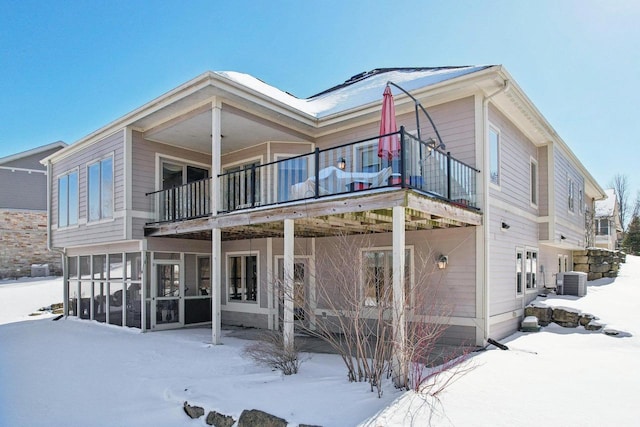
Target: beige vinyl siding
[(456, 284), (548, 259), (543, 181), (568, 224), (455, 122), (86, 232), (144, 174), (516, 152), (505, 328), (523, 233)]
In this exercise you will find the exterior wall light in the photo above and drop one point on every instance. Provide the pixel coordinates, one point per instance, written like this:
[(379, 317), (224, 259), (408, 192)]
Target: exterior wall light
[(443, 260), (505, 226), (342, 163)]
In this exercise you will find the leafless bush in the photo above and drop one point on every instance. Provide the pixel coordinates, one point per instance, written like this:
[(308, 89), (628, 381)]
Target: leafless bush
[(356, 317), (269, 350)]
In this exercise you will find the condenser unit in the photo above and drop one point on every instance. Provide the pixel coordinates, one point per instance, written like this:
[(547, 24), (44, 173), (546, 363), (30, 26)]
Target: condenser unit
[(572, 283)]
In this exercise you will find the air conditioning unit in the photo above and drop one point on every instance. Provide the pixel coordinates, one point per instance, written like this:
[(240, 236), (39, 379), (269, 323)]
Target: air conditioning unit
[(572, 283)]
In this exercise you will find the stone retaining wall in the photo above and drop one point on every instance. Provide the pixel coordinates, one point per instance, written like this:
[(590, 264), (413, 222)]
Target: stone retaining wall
[(23, 242), (598, 263)]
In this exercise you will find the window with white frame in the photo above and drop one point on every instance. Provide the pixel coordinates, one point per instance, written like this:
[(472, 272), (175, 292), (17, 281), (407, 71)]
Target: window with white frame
[(494, 156), (580, 201), (378, 276), (519, 271), (531, 269), (533, 177), (100, 189), (602, 227), (570, 195), (290, 172), (242, 277), (68, 199)]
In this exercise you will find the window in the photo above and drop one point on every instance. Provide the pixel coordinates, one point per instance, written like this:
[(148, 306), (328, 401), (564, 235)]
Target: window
[(367, 158), (531, 268), (533, 177), (242, 277), (519, 271), (580, 201), (570, 194), (602, 227), (378, 276), (204, 275), (100, 189), (68, 199), (290, 172), (184, 201), (494, 156), (241, 186)]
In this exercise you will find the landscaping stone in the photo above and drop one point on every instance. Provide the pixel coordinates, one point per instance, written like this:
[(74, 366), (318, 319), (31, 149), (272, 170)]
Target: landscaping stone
[(530, 324), (585, 319), (193, 411), (543, 313), (593, 326), (566, 317), (255, 417), (217, 419), (594, 276)]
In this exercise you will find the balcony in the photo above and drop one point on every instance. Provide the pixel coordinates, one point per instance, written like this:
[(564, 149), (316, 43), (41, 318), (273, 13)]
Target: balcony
[(342, 171)]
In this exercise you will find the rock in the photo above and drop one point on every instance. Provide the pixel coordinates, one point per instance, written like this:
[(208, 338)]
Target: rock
[(611, 332), (594, 276), (583, 268), (217, 419), (593, 326), (580, 253), (308, 425), (193, 411), (255, 417), (543, 313), (585, 318), (599, 268), (580, 259), (566, 317)]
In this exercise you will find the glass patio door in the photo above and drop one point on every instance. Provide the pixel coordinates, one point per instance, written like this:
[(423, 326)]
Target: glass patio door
[(167, 303)]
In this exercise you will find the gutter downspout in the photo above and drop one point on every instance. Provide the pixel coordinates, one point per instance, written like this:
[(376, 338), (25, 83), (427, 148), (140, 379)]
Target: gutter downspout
[(487, 223), (65, 288)]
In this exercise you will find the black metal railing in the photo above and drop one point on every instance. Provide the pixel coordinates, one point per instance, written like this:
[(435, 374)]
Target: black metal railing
[(347, 168), (188, 201)]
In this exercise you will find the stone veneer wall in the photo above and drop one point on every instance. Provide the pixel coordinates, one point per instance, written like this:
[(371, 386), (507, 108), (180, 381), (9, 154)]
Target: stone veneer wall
[(598, 263), (23, 242)]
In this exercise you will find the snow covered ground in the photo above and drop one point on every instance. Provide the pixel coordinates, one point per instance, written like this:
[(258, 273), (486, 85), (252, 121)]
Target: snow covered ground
[(79, 373)]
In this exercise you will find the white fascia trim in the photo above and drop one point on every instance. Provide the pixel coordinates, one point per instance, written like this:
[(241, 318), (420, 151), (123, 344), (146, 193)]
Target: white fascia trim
[(30, 171)]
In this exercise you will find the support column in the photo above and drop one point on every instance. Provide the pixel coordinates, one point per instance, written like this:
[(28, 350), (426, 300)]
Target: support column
[(287, 326), (400, 366), (270, 285), (216, 284), (216, 233)]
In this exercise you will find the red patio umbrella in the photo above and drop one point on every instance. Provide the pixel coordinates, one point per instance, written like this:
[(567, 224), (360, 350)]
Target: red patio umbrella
[(388, 146)]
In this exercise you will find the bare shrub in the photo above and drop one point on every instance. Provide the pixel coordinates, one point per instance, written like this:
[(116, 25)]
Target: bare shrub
[(269, 350)]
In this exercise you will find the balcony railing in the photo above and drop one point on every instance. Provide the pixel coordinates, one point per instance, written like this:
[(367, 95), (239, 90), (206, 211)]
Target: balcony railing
[(348, 168)]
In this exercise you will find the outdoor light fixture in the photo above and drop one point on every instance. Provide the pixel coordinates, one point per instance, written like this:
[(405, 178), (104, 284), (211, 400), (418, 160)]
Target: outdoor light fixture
[(443, 260), (505, 226), (342, 163), (562, 237)]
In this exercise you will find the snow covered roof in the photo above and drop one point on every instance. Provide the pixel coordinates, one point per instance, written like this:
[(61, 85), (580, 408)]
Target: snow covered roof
[(360, 89), (606, 207)]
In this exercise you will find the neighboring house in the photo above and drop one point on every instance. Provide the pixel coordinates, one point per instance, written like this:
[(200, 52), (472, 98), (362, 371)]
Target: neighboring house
[(23, 214), (607, 222), (184, 211)]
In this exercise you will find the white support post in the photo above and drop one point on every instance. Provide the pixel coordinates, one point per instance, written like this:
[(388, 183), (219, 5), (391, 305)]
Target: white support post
[(313, 300), (287, 326), (400, 368), (216, 233), (270, 285), (216, 284)]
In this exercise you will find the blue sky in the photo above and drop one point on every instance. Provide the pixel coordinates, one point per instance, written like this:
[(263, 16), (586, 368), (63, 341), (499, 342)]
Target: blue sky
[(70, 67)]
